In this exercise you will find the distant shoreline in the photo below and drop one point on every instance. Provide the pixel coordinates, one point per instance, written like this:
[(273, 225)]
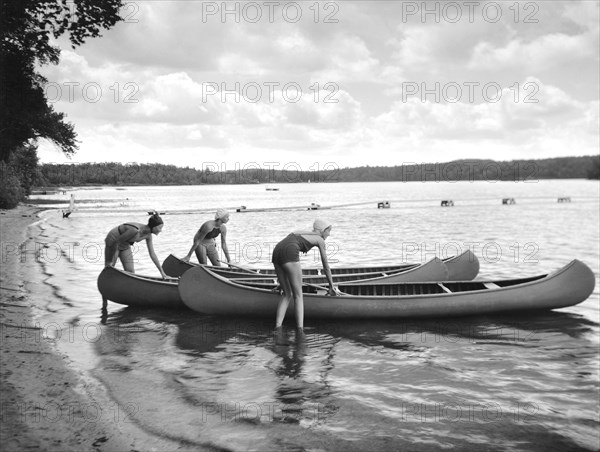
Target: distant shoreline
[(134, 174), (56, 189)]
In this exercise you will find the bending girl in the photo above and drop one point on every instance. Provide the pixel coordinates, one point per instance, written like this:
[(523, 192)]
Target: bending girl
[(204, 241), (286, 259), (119, 240)]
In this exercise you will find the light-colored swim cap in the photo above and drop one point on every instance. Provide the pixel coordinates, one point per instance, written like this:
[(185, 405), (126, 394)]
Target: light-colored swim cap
[(221, 213), (321, 225)]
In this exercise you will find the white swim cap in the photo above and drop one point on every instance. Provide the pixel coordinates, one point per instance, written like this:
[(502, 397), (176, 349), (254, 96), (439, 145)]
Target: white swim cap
[(321, 225), (221, 213)]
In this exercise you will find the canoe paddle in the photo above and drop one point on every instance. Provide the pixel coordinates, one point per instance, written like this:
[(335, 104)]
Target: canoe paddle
[(326, 289), (317, 286), (244, 268)]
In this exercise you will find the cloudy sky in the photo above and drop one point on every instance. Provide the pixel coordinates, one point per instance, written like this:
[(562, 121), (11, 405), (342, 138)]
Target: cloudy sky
[(347, 83)]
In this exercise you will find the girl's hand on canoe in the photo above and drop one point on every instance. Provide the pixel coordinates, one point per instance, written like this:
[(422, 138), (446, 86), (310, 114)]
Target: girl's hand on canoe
[(334, 291), (338, 292)]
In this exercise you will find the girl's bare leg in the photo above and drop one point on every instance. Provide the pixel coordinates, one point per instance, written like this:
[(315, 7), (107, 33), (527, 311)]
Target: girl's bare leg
[(293, 270), (201, 254), (126, 257), (287, 295)]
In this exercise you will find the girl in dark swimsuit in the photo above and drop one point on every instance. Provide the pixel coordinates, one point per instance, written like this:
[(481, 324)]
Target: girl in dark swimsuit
[(286, 259), (119, 240), (204, 241)]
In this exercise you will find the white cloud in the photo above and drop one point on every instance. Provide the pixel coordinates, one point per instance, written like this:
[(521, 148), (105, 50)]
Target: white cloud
[(177, 65), (545, 52)]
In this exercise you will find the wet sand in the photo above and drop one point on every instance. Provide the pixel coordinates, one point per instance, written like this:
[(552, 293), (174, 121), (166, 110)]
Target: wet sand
[(45, 403)]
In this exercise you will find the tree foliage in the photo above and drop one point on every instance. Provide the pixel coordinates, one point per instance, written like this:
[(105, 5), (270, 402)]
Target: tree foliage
[(462, 170), (11, 192), (26, 28), (25, 114), (24, 165), (594, 171), (19, 174)]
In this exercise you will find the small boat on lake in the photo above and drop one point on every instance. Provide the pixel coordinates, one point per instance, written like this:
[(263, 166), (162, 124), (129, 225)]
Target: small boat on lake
[(462, 267), (132, 289), (208, 293)]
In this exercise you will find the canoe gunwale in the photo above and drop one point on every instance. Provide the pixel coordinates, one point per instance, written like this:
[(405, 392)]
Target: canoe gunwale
[(465, 264)]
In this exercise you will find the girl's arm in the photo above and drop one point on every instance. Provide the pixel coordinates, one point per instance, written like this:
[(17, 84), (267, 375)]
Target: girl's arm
[(205, 229), (323, 252), (153, 256), (224, 242)]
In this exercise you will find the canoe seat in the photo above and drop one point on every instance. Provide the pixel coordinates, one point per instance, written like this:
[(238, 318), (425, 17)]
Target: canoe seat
[(491, 285)]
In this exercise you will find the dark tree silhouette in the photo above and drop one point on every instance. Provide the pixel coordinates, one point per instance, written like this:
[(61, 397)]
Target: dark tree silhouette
[(26, 27)]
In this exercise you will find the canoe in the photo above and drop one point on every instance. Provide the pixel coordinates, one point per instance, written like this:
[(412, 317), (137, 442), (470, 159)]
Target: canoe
[(208, 293), (137, 290), (434, 270), (463, 267)]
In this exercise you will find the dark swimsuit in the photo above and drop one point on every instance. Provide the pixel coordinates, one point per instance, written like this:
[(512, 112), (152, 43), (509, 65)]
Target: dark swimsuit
[(213, 234), (288, 250), (128, 224)]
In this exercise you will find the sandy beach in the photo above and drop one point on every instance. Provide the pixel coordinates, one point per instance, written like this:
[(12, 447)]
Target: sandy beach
[(46, 404)]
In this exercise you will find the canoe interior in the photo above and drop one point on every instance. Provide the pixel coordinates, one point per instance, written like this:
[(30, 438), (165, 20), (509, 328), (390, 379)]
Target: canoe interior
[(348, 272), (153, 278), (399, 289), (430, 288), (175, 266), (344, 277)]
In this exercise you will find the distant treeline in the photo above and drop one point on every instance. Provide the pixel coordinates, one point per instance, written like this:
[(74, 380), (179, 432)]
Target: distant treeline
[(587, 167)]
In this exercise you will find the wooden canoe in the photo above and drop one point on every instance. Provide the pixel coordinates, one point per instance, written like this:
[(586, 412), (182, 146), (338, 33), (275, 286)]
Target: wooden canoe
[(463, 267), (136, 290), (434, 270), (208, 293)]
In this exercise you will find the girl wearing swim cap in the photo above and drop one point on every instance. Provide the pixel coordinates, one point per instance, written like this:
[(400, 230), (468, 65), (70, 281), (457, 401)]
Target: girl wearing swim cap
[(119, 240), (204, 241), (286, 260)]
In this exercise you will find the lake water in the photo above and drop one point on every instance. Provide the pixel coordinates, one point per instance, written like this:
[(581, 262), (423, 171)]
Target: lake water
[(507, 382)]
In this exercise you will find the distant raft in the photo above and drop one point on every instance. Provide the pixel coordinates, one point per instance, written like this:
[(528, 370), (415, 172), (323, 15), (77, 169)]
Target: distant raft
[(208, 293)]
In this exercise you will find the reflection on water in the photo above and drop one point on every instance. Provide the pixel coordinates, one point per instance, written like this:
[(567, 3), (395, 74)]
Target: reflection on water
[(501, 382), (367, 385)]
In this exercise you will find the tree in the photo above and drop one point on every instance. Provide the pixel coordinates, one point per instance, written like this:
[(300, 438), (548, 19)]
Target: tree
[(24, 164), (594, 170), (25, 113), (11, 192), (26, 28)]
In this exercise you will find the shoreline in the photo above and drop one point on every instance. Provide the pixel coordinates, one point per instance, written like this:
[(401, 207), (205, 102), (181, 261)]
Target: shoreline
[(45, 402)]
